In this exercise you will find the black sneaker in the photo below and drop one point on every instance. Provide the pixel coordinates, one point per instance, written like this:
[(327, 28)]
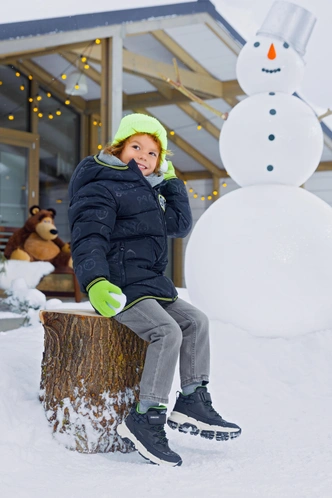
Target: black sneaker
[(195, 414), (145, 432)]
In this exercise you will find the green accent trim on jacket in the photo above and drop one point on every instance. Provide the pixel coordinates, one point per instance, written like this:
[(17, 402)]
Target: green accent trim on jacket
[(99, 279), (109, 165)]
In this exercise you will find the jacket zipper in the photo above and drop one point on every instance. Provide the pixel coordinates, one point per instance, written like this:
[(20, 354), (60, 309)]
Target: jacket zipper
[(121, 262)]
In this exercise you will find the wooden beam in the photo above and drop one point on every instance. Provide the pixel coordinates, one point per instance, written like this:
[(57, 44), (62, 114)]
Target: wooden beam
[(29, 54), (216, 187), (111, 87), (200, 119), (77, 63), (179, 52), (145, 67), (196, 175), (325, 166), (55, 86), (178, 262), (187, 148)]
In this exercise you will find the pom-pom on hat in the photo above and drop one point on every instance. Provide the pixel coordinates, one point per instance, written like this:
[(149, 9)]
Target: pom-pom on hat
[(141, 123)]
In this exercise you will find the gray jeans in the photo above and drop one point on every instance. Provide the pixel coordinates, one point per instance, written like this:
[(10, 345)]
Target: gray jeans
[(172, 329)]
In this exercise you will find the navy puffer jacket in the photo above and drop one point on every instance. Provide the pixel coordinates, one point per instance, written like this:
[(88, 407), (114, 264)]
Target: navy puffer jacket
[(119, 225)]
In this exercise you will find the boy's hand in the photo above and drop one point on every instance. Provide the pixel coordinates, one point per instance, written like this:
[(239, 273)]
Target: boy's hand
[(170, 173), (102, 300)]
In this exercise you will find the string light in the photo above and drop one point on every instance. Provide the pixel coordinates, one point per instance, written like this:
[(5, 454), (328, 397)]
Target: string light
[(208, 197), (38, 98)]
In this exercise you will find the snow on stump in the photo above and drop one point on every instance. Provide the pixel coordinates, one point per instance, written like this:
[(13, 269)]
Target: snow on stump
[(91, 369)]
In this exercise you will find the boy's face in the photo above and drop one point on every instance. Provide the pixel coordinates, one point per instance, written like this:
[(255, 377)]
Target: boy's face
[(144, 150)]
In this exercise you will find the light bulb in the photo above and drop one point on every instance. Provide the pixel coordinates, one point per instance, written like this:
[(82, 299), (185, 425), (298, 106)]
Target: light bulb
[(67, 101), (39, 97), (215, 192), (11, 117), (22, 87), (86, 66), (83, 58), (64, 76), (18, 74), (97, 41), (40, 114), (58, 112), (50, 116), (172, 132), (49, 94)]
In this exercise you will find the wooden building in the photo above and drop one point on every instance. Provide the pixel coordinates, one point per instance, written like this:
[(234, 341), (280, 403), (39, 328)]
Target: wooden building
[(65, 83)]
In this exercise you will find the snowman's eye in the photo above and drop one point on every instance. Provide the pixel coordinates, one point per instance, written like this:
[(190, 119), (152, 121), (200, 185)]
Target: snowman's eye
[(256, 44), (286, 45)]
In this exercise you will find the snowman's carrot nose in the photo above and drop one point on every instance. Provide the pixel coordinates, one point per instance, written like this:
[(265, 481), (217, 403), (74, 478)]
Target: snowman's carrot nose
[(272, 54)]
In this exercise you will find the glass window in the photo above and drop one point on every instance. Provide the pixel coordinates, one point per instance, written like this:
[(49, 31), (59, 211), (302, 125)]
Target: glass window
[(13, 181), (59, 155), (14, 94)]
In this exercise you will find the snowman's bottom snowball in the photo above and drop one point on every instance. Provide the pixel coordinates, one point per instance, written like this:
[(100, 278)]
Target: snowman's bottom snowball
[(261, 258)]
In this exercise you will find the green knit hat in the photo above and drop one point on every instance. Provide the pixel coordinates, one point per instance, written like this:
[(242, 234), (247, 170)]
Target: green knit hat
[(141, 123)]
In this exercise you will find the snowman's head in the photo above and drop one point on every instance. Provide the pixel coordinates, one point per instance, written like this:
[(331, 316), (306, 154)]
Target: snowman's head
[(268, 64)]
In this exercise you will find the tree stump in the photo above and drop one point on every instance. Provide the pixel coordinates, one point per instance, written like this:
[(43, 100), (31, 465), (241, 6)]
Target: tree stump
[(90, 375)]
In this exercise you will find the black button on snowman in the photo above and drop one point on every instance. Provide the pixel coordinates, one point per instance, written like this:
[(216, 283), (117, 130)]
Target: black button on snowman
[(267, 247)]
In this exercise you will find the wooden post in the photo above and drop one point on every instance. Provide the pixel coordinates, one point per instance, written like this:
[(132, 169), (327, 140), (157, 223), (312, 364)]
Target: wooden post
[(91, 369)]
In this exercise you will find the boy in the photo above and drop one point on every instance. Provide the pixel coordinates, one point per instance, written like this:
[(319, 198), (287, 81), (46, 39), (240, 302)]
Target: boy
[(125, 202)]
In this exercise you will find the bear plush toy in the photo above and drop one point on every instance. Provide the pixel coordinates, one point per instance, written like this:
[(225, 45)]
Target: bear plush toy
[(38, 240)]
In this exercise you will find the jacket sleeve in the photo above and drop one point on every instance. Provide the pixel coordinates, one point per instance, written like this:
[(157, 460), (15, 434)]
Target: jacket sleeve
[(178, 213), (92, 214)]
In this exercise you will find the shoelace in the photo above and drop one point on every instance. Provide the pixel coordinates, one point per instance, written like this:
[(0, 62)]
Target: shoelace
[(208, 404), (160, 434)]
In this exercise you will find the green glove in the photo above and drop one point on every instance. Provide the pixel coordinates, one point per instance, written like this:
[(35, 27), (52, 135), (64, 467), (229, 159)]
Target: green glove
[(101, 300), (170, 173)]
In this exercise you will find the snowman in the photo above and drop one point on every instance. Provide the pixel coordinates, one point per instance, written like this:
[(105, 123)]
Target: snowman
[(267, 247)]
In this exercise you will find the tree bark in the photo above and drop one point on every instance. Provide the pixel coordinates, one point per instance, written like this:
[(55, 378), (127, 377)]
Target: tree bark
[(90, 376)]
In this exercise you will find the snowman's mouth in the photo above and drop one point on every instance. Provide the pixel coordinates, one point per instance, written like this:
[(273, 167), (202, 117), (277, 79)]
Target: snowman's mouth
[(271, 70)]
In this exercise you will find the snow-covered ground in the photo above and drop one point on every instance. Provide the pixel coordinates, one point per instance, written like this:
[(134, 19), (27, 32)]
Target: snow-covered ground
[(279, 390)]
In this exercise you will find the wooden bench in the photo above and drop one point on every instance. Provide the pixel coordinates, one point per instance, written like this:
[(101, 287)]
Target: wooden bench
[(62, 282)]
